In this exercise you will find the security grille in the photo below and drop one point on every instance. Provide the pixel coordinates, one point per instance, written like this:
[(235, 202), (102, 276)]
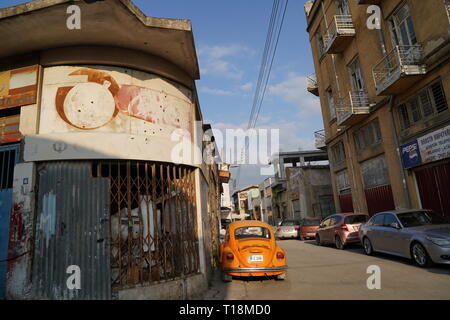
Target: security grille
[(153, 221)]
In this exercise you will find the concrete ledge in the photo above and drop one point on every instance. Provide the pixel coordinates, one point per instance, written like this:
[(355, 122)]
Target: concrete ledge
[(193, 287)]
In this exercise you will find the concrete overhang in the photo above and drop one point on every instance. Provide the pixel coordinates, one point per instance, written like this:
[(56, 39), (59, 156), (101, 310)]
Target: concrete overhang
[(42, 24)]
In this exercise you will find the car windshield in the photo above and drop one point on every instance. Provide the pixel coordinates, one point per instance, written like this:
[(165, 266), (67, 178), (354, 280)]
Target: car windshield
[(290, 223), (311, 222), (420, 218), (251, 232), (360, 218)]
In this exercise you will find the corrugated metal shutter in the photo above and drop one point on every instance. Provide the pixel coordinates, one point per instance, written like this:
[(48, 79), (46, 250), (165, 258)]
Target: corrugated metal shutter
[(379, 199), (71, 229), (346, 202), (433, 188)]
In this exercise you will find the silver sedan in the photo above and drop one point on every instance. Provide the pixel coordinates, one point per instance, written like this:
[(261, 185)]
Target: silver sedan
[(420, 235), (287, 229)]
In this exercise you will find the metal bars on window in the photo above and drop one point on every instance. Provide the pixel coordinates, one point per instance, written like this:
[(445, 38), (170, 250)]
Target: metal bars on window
[(153, 221)]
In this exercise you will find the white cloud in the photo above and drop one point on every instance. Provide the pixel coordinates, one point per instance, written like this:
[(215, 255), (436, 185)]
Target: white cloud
[(214, 60), (219, 92), (293, 91), (246, 86)]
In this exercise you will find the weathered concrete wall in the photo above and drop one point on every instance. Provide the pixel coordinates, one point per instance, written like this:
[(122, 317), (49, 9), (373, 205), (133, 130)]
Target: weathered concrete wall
[(190, 288)]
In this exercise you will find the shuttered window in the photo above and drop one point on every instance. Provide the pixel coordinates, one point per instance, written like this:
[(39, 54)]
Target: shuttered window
[(427, 103)]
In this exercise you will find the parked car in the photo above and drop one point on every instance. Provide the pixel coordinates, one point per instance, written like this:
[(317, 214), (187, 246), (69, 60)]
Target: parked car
[(340, 229), (287, 229), (308, 228), (420, 235), (250, 249)]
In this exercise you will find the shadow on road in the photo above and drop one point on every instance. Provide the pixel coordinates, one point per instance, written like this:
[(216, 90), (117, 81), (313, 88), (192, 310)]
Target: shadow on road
[(357, 249)]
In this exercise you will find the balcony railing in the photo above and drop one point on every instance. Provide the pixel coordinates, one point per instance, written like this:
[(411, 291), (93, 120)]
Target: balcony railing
[(339, 33), (319, 138), (404, 60), (352, 108), (312, 85)]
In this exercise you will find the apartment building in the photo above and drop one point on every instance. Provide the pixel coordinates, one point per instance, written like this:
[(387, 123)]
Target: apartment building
[(382, 74)]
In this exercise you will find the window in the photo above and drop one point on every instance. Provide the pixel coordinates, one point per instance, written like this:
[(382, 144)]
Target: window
[(389, 219), (356, 78), (338, 153), (343, 182), (402, 28), (368, 136), (325, 223), (421, 218), (251, 232), (427, 103), (320, 44), (331, 105), (375, 172), (342, 7), (334, 220), (360, 218), (377, 220)]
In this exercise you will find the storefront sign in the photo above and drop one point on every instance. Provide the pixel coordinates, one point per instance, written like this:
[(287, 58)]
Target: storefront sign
[(435, 145), (410, 154), (18, 87), (428, 148)]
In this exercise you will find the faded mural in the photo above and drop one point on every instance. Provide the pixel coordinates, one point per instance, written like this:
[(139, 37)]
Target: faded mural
[(110, 99)]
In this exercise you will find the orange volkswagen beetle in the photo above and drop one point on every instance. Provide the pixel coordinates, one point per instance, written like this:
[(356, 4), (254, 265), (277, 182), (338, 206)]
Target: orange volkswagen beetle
[(250, 249)]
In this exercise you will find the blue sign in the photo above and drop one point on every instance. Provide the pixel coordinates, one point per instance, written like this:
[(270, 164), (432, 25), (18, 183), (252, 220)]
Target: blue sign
[(410, 154)]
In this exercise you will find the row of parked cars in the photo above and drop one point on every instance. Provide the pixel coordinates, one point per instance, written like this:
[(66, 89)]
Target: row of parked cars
[(420, 235)]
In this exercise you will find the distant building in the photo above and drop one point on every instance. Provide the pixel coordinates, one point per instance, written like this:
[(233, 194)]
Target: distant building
[(301, 186), (242, 199)]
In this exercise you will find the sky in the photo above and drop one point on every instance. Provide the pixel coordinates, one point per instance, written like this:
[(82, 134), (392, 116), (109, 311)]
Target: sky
[(229, 38)]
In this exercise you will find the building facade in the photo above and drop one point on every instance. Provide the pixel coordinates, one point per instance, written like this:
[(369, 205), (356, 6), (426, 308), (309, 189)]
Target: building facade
[(301, 187), (382, 75), (104, 140)]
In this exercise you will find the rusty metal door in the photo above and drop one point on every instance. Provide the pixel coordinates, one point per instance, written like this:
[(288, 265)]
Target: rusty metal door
[(72, 229), (346, 202), (9, 156), (379, 199), (433, 188)]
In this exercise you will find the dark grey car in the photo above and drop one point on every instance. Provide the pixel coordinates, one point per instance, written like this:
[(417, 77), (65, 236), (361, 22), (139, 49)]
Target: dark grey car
[(421, 235)]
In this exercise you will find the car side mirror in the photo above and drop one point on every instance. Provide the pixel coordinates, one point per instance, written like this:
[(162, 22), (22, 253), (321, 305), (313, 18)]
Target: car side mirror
[(395, 225)]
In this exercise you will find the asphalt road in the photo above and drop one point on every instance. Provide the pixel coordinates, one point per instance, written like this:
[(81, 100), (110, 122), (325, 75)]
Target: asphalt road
[(327, 273)]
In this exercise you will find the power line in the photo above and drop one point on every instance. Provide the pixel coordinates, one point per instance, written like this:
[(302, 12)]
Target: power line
[(264, 73)]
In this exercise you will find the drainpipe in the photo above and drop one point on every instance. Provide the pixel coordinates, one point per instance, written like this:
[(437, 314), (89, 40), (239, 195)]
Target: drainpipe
[(393, 128)]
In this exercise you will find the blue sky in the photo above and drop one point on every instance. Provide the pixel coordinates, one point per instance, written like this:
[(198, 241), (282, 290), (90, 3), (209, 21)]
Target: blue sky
[(230, 37)]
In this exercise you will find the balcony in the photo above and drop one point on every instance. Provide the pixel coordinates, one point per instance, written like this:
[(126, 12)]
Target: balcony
[(319, 139), (340, 33), (369, 1), (353, 108), (400, 69), (312, 85)]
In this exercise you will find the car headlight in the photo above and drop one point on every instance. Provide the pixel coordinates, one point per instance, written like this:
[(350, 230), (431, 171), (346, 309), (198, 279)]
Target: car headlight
[(439, 241)]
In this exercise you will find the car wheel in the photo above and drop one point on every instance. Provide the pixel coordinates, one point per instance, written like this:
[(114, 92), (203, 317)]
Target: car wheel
[(367, 245), (338, 243), (318, 241), (282, 276), (420, 255), (226, 277)]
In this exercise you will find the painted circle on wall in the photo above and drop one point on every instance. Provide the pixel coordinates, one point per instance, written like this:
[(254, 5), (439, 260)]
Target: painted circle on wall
[(89, 105)]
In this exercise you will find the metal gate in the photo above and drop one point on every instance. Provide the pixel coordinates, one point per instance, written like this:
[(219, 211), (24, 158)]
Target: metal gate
[(379, 199), (434, 191), (72, 231), (9, 156), (346, 202)]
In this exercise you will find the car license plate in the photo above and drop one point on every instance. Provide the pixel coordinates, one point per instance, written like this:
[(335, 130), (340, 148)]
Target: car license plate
[(256, 258)]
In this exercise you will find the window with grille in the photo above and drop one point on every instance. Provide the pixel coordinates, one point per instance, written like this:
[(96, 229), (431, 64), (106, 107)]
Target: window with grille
[(331, 106), (153, 226), (375, 172), (343, 182), (368, 136), (427, 103)]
